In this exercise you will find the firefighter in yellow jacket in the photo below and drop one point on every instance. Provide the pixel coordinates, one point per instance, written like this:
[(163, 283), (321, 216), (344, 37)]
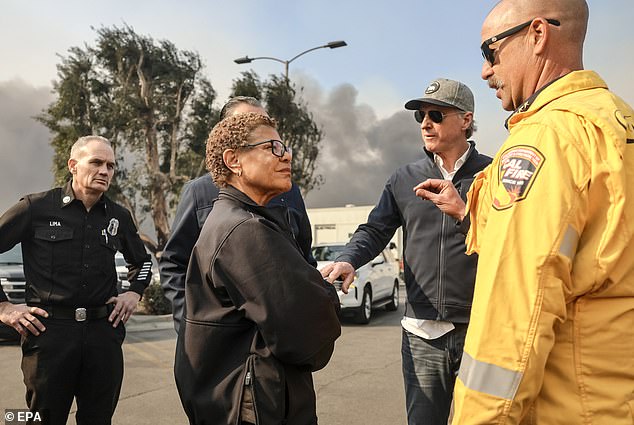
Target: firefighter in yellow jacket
[(551, 336)]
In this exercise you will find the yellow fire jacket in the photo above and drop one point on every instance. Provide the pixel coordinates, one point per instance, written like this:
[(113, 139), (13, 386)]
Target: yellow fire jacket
[(551, 336)]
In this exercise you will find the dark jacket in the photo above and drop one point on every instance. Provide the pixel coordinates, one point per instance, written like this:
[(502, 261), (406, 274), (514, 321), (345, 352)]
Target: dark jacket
[(69, 252), (258, 318), (439, 276), (195, 205)]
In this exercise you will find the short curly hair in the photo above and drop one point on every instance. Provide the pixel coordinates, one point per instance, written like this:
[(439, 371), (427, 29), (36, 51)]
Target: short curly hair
[(231, 133)]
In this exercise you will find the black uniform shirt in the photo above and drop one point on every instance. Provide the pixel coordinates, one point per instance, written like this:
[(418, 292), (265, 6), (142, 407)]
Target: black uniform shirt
[(69, 252)]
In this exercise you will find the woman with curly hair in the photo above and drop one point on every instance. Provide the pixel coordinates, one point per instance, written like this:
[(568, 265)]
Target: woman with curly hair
[(258, 318)]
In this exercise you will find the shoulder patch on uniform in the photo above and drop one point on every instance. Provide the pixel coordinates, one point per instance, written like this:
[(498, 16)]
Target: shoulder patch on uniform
[(518, 170)]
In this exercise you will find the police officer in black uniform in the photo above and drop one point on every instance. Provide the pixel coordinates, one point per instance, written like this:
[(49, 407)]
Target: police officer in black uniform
[(72, 325)]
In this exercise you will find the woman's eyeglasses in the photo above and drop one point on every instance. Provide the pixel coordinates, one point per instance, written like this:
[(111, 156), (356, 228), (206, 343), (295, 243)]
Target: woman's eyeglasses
[(277, 147), (435, 116)]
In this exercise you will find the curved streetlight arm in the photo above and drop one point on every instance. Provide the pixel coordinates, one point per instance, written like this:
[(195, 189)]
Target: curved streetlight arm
[(331, 45), (270, 58), (306, 51)]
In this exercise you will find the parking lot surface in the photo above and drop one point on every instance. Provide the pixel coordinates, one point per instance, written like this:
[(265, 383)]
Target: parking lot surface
[(362, 385)]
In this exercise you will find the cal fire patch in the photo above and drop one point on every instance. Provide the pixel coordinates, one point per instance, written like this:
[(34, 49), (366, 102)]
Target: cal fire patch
[(519, 166)]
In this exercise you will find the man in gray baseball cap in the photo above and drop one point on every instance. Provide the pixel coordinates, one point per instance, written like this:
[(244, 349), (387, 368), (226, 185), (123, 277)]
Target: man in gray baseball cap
[(439, 277), (444, 92)]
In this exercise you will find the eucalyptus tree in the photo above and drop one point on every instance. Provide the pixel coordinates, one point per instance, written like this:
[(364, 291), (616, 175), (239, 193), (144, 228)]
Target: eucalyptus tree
[(153, 103)]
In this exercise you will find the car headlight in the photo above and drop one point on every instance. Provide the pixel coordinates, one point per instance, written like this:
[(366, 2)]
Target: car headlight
[(4, 280), (356, 276)]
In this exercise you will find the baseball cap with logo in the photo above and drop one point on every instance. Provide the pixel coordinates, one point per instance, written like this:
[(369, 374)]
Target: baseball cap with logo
[(444, 92)]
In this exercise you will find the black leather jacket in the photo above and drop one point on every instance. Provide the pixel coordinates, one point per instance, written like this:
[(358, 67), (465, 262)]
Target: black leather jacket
[(258, 318), (439, 276), (196, 202)]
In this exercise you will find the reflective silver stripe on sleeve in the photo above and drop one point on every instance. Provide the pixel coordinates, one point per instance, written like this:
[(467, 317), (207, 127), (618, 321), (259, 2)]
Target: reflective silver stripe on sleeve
[(569, 242), (144, 272), (488, 378)]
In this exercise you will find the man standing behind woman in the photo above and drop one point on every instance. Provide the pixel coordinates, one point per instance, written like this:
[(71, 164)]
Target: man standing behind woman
[(197, 200), (259, 319)]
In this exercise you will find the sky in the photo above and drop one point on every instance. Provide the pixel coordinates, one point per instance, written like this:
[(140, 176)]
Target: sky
[(356, 93)]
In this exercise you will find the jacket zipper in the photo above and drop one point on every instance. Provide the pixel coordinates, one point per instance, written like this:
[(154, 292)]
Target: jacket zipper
[(249, 384), (290, 226), (441, 267)]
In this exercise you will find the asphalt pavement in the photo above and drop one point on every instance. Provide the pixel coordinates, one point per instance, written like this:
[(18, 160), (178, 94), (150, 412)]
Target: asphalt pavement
[(144, 323), (362, 384)]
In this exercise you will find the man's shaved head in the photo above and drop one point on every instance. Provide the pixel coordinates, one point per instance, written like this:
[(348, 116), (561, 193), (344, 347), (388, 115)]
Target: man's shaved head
[(526, 60), (573, 15)]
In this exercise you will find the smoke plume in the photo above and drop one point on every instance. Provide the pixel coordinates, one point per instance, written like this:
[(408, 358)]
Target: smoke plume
[(25, 163)]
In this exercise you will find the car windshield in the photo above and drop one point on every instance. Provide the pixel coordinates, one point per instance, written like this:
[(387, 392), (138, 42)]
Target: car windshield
[(12, 256), (327, 253)]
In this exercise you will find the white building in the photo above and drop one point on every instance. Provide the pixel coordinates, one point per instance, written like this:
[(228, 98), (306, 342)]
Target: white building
[(339, 223)]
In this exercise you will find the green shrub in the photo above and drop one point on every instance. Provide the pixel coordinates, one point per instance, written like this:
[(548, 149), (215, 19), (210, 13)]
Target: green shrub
[(154, 301)]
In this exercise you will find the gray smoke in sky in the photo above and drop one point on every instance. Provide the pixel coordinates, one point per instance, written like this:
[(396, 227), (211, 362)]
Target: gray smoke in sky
[(359, 151), (26, 159)]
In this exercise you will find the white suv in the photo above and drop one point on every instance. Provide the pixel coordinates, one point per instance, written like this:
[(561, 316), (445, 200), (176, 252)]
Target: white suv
[(376, 283), (122, 273), (14, 284)]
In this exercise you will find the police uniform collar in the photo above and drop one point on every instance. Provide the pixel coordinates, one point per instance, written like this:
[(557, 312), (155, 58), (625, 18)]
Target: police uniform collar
[(68, 196), (528, 102)]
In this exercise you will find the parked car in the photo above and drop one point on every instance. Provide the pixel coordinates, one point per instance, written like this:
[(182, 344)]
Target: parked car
[(13, 284), (122, 272), (376, 284), (123, 284)]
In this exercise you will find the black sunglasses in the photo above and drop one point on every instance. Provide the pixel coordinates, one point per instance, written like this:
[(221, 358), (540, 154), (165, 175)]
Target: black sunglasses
[(489, 53), (435, 116), (277, 147)]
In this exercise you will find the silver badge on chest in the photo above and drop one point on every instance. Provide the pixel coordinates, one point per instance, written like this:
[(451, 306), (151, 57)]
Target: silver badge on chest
[(113, 227)]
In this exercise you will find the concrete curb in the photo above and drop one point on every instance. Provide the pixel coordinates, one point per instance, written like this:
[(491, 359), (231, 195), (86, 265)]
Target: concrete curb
[(142, 323)]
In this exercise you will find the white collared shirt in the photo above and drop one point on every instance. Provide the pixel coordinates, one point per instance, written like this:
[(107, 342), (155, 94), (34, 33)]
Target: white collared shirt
[(459, 163), (433, 329)]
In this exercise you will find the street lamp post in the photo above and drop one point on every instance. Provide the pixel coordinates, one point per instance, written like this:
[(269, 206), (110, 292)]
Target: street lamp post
[(331, 45)]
